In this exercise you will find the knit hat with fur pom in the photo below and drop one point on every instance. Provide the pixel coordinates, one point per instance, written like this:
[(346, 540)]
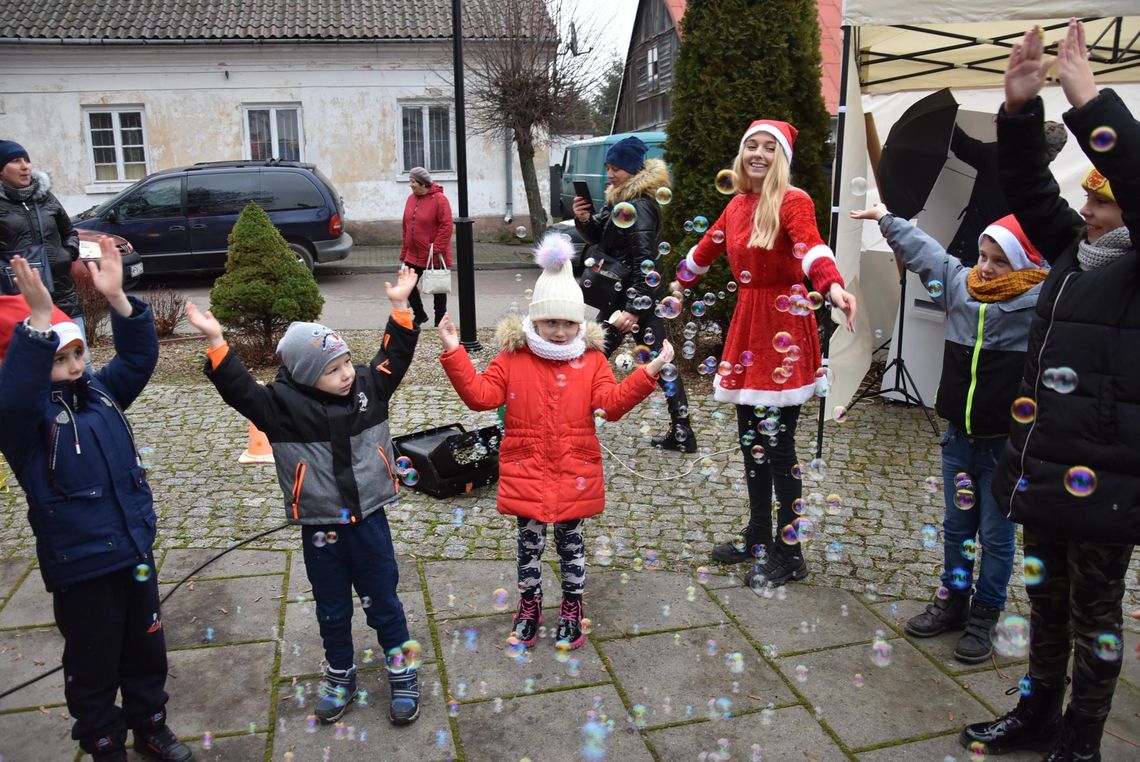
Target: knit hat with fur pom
[(557, 295)]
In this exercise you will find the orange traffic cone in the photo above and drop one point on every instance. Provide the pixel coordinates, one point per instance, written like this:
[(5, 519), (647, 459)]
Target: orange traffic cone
[(258, 450)]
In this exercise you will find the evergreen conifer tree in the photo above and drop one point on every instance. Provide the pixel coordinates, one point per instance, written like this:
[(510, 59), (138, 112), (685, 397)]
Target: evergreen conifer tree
[(741, 60), (263, 289)]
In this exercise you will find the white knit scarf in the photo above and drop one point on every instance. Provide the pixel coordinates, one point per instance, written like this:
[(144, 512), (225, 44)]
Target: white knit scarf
[(550, 351)]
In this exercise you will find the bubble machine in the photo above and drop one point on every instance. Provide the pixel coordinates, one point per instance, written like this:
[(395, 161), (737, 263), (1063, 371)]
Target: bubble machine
[(451, 460)]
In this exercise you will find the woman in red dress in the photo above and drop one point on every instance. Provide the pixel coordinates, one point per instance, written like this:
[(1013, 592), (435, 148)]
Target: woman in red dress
[(771, 352)]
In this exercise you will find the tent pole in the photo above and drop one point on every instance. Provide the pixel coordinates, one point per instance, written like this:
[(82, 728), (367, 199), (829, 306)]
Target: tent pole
[(833, 233)]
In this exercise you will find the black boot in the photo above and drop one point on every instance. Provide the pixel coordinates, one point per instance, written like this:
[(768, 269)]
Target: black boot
[(1080, 739), (941, 614), (976, 643), (161, 743), (784, 564), (679, 437), (108, 748), (746, 546), (1035, 723)]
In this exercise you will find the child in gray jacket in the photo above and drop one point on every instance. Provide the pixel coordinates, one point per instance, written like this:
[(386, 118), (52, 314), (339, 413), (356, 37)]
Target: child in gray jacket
[(989, 308)]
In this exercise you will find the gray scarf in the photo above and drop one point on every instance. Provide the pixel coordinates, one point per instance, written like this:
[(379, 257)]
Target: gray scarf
[(21, 195), (1108, 248)]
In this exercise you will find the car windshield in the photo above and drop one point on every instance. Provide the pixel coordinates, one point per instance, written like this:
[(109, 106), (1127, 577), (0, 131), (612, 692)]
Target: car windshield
[(98, 209)]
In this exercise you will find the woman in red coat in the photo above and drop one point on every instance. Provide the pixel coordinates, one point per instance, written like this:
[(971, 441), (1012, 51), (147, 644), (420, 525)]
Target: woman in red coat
[(427, 229), (771, 352), (555, 380)]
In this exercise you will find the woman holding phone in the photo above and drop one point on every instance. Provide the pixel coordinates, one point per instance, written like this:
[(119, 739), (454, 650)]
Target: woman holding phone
[(631, 236)]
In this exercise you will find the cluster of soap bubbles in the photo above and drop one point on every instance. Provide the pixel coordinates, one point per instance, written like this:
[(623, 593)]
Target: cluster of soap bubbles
[(406, 471), (964, 496), (1062, 380), (799, 301), (321, 539)]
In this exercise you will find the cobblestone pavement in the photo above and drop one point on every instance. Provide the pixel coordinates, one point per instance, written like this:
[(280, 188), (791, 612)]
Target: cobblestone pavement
[(661, 664)]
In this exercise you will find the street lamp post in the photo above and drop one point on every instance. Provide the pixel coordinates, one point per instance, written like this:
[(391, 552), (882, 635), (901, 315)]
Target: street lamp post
[(464, 237)]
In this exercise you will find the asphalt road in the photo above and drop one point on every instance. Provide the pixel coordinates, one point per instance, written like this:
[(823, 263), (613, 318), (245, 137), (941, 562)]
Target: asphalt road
[(357, 300)]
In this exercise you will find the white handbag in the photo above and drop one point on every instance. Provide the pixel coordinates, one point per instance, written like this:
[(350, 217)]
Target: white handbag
[(435, 280)]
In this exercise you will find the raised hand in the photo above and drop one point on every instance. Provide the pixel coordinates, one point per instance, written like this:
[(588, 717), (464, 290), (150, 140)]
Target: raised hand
[(664, 356), (1073, 68), (405, 281), (107, 275), (35, 293), (447, 334), (1025, 74), (845, 302), (876, 212), (206, 323)]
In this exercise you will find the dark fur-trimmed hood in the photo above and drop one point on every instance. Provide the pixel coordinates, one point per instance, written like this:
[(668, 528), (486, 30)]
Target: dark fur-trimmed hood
[(511, 337), (652, 176)]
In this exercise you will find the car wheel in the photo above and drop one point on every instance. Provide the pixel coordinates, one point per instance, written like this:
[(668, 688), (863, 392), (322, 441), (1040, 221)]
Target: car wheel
[(304, 256)]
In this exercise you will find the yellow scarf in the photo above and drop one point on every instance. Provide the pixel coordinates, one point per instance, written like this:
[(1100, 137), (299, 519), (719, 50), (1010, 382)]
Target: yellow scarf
[(1007, 286)]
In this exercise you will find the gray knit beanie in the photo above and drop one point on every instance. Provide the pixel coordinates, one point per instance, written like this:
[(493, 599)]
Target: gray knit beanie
[(306, 348), (1055, 138), (421, 176)]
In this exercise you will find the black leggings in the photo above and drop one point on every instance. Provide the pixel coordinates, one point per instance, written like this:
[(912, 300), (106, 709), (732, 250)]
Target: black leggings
[(773, 469), (678, 401)]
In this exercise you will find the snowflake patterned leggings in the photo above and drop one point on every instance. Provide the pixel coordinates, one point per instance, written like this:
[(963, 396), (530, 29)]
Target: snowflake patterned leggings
[(571, 554)]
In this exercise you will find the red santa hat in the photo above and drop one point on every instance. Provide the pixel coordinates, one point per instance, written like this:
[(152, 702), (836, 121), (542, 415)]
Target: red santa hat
[(784, 133), (13, 309), (1007, 233)]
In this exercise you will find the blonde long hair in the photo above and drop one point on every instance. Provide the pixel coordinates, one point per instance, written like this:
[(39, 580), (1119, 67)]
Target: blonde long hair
[(766, 219)]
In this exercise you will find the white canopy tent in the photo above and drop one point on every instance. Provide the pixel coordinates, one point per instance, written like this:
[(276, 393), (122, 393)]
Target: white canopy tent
[(898, 51)]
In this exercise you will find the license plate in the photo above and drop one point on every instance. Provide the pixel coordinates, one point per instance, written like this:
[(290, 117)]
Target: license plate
[(136, 270)]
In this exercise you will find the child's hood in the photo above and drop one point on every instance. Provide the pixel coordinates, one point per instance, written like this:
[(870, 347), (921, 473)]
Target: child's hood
[(511, 337)]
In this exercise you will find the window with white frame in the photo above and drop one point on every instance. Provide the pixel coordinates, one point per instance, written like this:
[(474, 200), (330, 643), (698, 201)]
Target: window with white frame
[(652, 73), (273, 132), (425, 136), (118, 143)]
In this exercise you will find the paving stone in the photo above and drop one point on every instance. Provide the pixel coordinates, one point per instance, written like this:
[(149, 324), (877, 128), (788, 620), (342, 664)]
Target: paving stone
[(884, 708), (532, 733), (302, 652), (783, 734), (299, 581), (242, 748), (940, 647), (638, 604), (31, 604), (373, 737), (37, 735), (489, 670), (178, 562), (679, 667), (216, 603), (220, 689), (779, 620), (941, 748), (25, 654), (11, 572), (473, 583)]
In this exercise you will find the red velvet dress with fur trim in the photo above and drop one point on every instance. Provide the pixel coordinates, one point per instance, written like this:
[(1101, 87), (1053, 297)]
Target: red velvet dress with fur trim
[(756, 320)]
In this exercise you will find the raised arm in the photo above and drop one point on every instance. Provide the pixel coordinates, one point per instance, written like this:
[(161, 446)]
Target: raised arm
[(919, 252), (398, 346)]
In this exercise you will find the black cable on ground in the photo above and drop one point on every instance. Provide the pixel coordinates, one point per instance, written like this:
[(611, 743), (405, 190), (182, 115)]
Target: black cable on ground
[(169, 593)]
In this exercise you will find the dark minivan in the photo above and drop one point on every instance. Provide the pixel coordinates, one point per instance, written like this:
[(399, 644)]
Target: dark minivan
[(180, 219)]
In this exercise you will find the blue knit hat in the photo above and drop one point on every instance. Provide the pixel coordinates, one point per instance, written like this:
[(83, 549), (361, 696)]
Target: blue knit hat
[(628, 154), (11, 150)]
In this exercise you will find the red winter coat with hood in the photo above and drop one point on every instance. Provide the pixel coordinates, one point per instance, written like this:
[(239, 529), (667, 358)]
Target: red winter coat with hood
[(550, 461), (427, 221)]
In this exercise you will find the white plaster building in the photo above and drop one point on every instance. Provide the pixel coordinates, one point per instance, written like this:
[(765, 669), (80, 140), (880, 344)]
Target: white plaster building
[(103, 93)]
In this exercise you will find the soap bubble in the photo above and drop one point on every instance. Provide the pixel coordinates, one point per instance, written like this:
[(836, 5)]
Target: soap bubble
[(1080, 481), (700, 223), (520, 231), (142, 572), (1102, 139), (624, 214), (1023, 410), (1061, 380), (726, 182), (664, 196), (859, 186), (934, 288)]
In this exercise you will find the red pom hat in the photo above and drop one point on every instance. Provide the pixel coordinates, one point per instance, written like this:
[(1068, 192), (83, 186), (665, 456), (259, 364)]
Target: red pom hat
[(1007, 232), (784, 133)]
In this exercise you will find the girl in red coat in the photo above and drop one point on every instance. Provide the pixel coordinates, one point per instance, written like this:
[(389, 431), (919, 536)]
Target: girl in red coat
[(771, 352), (557, 386)]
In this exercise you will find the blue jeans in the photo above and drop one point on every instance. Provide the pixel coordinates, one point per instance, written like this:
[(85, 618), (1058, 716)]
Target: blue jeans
[(362, 557), (985, 520)]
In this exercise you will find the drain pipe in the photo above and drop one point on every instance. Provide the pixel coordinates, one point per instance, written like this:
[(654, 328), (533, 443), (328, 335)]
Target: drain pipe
[(508, 167)]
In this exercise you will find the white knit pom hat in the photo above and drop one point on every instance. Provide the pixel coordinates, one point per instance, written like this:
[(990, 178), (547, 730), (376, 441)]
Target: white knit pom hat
[(557, 295)]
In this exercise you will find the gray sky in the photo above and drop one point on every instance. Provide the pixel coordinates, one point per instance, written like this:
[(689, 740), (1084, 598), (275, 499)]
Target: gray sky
[(613, 20)]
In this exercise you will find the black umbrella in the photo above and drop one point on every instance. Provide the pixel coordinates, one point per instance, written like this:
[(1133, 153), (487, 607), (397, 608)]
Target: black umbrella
[(915, 151)]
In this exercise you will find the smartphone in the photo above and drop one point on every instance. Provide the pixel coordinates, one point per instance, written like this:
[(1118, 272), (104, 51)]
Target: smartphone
[(583, 190), (90, 250)]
